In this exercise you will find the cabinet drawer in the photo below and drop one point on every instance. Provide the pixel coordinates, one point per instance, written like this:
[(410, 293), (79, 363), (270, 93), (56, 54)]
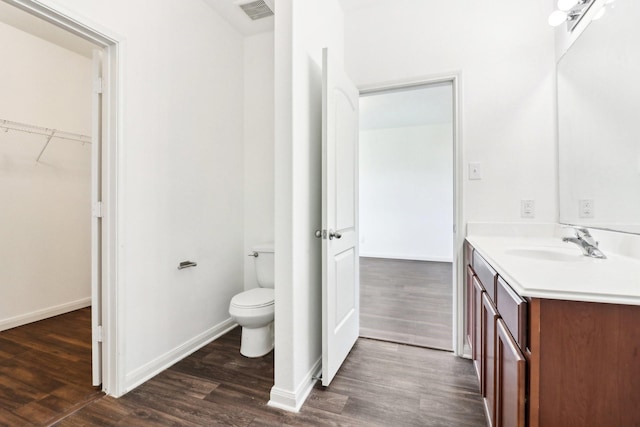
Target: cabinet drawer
[(513, 309), (468, 254), (486, 275)]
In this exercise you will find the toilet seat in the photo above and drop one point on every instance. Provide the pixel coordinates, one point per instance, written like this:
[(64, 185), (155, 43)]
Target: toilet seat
[(253, 298)]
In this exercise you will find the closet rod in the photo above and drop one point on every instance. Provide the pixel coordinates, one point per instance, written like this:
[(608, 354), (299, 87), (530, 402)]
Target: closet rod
[(7, 125)]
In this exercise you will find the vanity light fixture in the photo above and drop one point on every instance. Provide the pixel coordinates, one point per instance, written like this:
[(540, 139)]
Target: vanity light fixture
[(558, 17), (569, 11), (566, 5)]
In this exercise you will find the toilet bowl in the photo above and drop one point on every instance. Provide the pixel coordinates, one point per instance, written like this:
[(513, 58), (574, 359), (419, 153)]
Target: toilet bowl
[(254, 309)]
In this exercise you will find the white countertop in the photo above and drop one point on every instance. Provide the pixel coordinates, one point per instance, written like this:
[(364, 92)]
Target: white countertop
[(547, 267)]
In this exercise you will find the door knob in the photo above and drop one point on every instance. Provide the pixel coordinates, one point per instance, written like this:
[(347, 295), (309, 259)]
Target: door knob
[(335, 234)]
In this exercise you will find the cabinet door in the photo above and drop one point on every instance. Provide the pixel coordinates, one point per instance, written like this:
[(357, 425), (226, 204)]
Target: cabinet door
[(489, 319), (476, 346), (469, 310), (510, 380), (486, 275)]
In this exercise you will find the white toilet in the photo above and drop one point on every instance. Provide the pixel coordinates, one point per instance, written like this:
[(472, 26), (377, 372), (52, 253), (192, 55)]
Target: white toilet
[(254, 309)]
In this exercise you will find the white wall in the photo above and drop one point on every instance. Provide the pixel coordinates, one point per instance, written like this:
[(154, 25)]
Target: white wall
[(504, 51), (180, 175), (46, 206), (258, 147), (406, 192), (302, 29)]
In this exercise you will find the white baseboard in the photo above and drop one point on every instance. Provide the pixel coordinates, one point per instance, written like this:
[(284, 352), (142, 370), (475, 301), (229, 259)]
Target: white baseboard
[(405, 256), (293, 401), (135, 378), (44, 313)]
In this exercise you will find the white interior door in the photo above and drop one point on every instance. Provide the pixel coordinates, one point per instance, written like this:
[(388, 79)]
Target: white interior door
[(340, 263), (96, 221)]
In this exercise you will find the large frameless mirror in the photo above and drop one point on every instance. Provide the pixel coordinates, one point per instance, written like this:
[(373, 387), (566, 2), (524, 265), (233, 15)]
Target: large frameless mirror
[(599, 123)]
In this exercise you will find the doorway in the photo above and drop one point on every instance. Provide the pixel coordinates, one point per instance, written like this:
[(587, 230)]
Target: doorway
[(52, 129), (407, 214)]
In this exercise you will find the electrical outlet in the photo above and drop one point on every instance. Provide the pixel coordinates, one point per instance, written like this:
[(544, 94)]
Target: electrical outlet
[(586, 208), (475, 171), (527, 208)]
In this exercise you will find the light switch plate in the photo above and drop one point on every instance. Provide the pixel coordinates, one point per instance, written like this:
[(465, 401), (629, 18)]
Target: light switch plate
[(527, 208), (475, 171)]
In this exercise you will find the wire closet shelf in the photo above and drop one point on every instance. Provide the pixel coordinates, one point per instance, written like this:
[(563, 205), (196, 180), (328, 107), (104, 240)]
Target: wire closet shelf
[(7, 125)]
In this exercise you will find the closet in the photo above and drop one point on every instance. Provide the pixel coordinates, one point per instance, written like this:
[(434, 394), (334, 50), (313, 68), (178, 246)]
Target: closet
[(45, 172)]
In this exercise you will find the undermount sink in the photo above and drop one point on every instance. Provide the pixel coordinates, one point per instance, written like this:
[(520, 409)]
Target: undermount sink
[(548, 254)]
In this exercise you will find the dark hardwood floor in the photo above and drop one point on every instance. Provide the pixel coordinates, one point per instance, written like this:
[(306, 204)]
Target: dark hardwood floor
[(45, 369), (407, 302), (380, 384)]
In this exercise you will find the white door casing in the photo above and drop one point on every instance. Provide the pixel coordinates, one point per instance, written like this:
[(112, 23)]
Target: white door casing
[(108, 354), (96, 220), (458, 273), (340, 256)]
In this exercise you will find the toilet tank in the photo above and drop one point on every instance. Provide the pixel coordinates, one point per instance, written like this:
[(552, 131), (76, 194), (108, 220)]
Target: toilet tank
[(265, 265)]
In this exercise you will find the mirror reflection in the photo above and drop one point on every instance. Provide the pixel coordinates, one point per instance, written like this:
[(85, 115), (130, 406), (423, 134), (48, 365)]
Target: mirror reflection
[(599, 123)]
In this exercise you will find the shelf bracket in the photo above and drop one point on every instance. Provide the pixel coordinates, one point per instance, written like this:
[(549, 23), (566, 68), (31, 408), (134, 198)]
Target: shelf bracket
[(46, 144)]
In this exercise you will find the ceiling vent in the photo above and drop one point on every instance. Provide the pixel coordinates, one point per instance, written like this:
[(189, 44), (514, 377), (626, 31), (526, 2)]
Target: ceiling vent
[(256, 9)]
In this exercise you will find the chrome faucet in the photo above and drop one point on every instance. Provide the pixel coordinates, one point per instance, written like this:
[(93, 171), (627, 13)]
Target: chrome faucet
[(586, 242)]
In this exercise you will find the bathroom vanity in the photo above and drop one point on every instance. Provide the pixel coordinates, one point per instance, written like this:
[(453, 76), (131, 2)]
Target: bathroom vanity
[(554, 335)]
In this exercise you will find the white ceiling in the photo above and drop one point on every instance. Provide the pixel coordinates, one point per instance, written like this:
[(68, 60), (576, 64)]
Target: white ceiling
[(28, 23), (407, 107), (230, 11)]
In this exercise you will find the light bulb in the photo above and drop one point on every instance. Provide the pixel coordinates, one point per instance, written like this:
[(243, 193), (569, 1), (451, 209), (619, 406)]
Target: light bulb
[(566, 4), (557, 17)]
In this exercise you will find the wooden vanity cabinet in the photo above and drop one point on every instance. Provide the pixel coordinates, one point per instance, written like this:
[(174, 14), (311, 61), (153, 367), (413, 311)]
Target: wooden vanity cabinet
[(497, 357), (584, 368), (549, 363), (481, 332)]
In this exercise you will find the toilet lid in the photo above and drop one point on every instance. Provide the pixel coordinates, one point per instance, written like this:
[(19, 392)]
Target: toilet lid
[(253, 298)]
